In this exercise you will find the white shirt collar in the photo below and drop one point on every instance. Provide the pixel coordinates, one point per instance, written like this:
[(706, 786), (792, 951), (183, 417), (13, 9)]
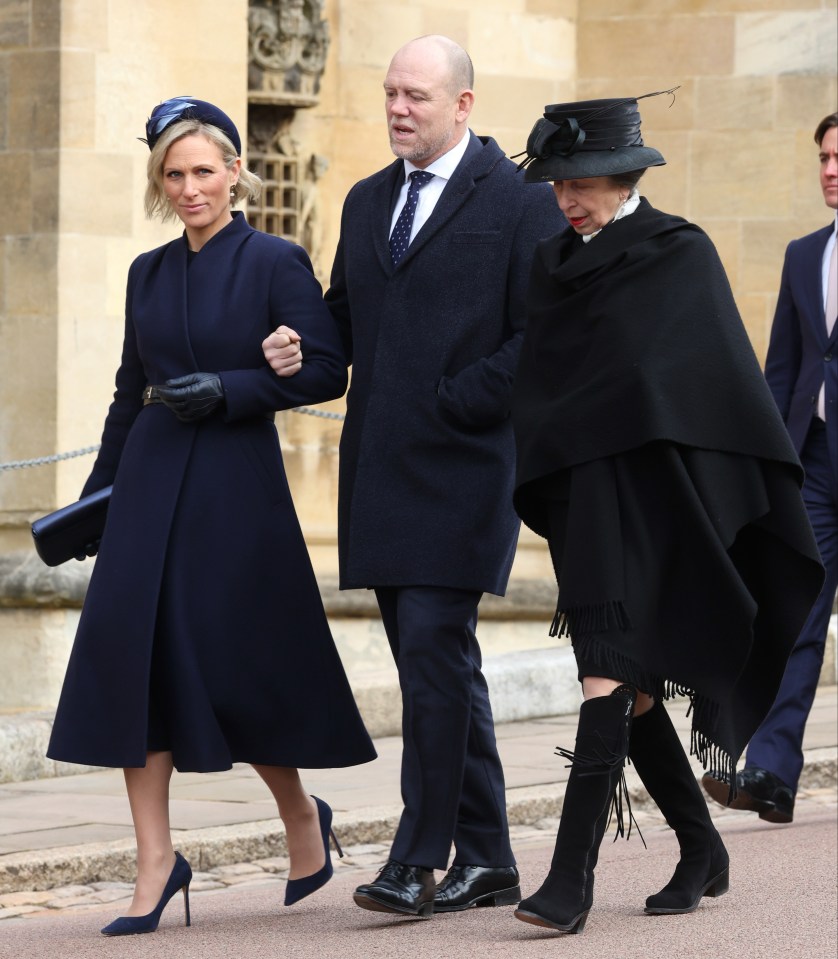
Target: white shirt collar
[(443, 166), (627, 208)]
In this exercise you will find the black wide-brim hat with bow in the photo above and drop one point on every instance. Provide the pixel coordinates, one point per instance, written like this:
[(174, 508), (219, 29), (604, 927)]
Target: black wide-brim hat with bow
[(575, 141)]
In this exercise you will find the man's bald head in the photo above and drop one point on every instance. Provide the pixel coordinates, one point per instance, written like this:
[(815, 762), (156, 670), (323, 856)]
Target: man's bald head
[(428, 98), (459, 68)]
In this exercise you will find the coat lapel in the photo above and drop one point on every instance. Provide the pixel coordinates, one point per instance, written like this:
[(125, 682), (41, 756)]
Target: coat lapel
[(216, 327), (161, 314), (477, 161), (382, 200), (810, 276)]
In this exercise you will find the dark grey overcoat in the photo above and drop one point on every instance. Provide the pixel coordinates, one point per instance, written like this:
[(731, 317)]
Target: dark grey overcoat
[(202, 630), (427, 454)]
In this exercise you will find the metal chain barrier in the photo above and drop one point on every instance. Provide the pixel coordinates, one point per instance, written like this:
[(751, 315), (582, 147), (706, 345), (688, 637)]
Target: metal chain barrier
[(323, 414), (44, 460), (58, 457)]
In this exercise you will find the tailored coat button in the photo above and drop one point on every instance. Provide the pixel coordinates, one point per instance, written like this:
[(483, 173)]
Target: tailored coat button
[(828, 357)]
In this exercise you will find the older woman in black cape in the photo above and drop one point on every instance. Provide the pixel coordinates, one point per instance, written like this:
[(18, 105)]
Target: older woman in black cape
[(653, 459), (203, 641)]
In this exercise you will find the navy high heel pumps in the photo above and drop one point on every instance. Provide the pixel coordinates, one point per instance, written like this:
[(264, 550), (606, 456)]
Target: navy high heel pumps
[(297, 889), (179, 878)]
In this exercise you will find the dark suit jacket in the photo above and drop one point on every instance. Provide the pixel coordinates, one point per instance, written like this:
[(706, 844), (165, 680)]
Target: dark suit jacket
[(800, 355), (427, 455)]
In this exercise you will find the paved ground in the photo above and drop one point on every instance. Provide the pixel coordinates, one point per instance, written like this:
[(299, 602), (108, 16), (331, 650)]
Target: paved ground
[(66, 864), (782, 903)]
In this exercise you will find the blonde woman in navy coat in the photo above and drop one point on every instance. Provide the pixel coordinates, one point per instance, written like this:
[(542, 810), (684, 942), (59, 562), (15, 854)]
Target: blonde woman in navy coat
[(203, 640)]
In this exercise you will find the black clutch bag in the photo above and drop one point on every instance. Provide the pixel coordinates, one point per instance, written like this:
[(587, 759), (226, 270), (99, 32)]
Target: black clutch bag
[(67, 532)]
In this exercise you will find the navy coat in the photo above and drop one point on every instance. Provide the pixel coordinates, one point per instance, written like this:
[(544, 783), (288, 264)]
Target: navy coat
[(202, 630), (427, 454), (800, 354)]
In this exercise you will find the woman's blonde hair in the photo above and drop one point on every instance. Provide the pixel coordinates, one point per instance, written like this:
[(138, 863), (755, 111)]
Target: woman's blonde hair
[(248, 186)]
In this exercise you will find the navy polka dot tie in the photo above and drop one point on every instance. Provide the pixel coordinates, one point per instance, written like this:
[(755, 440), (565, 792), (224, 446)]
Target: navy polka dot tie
[(400, 237)]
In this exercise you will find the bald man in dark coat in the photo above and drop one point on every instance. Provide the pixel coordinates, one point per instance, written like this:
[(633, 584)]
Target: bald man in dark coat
[(433, 333)]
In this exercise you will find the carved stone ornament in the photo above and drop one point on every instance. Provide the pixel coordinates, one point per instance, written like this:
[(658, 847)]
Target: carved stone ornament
[(288, 41), (269, 129)]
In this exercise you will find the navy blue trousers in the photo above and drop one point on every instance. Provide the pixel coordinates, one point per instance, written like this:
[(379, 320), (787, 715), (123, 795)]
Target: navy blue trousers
[(451, 780), (778, 743)]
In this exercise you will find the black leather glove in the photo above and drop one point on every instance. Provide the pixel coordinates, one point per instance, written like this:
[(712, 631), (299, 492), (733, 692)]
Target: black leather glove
[(193, 396)]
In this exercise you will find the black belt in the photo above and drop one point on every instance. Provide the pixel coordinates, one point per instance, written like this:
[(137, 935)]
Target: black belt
[(150, 395)]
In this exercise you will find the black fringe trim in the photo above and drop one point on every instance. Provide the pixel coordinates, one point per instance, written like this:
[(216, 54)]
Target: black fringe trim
[(620, 799), (616, 664), (591, 618), (714, 757), (603, 764)]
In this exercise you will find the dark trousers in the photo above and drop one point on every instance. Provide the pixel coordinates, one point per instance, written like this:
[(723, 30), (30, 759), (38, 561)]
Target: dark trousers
[(778, 743), (452, 780)]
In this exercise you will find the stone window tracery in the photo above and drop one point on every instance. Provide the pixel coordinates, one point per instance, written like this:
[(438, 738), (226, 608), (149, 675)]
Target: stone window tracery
[(288, 41)]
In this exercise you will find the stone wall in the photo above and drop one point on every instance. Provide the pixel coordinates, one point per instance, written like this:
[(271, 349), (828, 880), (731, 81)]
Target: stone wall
[(29, 151)]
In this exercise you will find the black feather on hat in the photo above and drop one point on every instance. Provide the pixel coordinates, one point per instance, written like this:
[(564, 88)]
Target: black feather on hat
[(574, 141)]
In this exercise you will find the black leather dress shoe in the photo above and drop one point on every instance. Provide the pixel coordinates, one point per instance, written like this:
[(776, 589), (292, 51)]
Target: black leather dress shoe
[(399, 888), (467, 886), (756, 789)]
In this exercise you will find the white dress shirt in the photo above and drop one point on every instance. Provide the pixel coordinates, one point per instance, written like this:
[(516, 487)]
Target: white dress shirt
[(443, 169), (827, 254)]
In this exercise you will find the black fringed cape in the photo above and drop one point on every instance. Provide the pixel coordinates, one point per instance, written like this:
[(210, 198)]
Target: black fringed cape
[(688, 564)]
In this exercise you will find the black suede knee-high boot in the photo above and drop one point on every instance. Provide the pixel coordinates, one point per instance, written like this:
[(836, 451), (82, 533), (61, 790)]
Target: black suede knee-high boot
[(602, 737), (662, 765)]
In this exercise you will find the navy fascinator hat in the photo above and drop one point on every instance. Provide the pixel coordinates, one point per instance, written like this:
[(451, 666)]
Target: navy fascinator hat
[(588, 138), (188, 108)]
